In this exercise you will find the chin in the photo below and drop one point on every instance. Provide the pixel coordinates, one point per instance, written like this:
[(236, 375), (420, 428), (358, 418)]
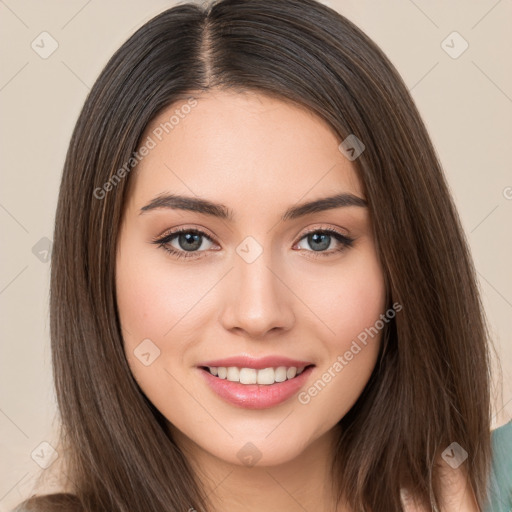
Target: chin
[(260, 451)]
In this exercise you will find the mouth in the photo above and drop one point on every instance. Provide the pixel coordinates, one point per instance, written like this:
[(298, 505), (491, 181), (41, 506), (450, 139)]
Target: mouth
[(263, 376), (256, 388)]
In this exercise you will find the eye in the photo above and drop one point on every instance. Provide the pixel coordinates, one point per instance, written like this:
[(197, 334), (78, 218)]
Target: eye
[(188, 241), (321, 239)]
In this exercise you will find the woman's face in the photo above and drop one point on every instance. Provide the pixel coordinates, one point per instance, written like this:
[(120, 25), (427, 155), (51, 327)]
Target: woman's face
[(271, 285)]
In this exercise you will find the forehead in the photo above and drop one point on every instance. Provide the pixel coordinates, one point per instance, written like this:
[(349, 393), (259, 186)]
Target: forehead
[(242, 148)]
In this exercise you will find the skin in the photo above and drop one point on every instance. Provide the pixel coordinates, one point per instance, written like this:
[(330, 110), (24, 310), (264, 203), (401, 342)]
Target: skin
[(258, 156)]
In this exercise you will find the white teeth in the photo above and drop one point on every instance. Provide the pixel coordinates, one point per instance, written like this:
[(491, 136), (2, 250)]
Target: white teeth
[(233, 374), (291, 372), (248, 375), (280, 374), (265, 376)]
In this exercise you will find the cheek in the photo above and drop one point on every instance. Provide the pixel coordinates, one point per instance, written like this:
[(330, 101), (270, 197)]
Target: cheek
[(358, 322), (347, 298), (140, 299), (358, 304), (153, 305), (151, 301), (153, 296), (351, 306)]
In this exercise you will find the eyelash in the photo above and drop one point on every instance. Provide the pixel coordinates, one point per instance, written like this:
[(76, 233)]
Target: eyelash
[(166, 239)]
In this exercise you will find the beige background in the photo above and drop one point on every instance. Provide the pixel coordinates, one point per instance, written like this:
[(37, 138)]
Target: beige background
[(466, 103)]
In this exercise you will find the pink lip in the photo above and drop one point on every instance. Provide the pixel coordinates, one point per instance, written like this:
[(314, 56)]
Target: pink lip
[(257, 363), (256, 396)]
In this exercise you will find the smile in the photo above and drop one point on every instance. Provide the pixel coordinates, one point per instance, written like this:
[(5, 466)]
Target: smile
[(273, 386), (265, 376)]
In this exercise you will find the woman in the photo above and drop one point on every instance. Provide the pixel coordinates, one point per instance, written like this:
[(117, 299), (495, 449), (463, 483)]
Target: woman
[(261, 294)]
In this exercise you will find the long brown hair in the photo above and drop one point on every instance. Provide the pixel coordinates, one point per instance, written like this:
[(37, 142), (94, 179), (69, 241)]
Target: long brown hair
[(430, 386)]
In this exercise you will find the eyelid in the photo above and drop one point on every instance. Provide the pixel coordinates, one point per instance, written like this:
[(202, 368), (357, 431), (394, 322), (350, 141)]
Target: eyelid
[(205, 232), (321, 227), (160, 240), (187, 228)]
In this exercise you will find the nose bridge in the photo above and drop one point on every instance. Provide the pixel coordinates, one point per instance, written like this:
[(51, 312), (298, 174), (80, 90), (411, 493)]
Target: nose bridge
[(257, 300)]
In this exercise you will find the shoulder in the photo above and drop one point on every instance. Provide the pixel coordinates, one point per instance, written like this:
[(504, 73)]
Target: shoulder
[(58, 502), (500, 484), (502, 436)]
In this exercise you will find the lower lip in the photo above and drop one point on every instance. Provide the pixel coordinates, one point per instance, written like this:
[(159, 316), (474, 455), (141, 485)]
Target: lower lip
[(256, 396)]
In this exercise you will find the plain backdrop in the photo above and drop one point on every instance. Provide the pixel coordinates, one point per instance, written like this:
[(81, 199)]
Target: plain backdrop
[(463, 93)]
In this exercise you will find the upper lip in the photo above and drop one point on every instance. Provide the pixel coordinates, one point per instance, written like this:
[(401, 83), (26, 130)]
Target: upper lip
[(257, 363)]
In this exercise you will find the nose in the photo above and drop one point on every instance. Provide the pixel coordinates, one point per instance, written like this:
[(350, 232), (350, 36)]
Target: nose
[(258, 298)]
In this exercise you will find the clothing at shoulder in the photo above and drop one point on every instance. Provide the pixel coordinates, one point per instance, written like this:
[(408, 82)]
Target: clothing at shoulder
[(500, 483), (58, 502)]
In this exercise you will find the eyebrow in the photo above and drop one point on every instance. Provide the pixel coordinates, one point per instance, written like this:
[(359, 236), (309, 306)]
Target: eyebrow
[(204, 206)]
